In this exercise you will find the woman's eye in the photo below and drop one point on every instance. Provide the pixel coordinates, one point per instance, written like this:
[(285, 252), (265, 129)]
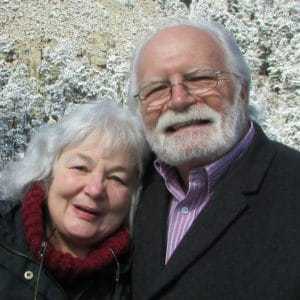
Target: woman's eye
[(80, 168), (118, 179)]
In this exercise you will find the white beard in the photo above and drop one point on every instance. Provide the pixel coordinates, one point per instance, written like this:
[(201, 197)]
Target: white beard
[(205, 144)]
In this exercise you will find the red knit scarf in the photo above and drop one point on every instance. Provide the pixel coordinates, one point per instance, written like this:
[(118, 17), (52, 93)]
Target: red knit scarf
[(63, 265)]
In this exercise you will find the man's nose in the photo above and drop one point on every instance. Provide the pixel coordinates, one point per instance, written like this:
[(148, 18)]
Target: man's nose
[(180, 99), (95, 186)]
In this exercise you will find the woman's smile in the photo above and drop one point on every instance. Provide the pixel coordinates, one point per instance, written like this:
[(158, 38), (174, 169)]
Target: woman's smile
[(86, 213)]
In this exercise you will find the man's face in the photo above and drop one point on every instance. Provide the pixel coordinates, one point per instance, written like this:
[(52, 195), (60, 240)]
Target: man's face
[(186, 127)]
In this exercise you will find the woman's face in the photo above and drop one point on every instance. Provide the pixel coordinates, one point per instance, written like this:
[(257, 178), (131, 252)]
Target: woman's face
[(90, 193)]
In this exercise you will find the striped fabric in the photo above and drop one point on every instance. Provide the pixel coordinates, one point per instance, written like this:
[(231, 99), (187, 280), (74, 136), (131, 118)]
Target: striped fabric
[(185, 207)]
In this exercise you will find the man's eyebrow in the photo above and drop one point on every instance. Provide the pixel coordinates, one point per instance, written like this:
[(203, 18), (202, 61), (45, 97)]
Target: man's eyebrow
[(153, 80), (154, 83)]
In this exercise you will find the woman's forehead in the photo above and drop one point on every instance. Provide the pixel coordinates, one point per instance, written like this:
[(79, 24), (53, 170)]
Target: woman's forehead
[(98, 146)]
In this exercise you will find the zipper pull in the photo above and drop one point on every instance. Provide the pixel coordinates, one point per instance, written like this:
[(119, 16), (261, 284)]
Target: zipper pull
[(43, 249), (117, 277)]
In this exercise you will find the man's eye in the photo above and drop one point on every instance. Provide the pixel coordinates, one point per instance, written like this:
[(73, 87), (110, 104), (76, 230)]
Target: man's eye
[(155, 90), (200, 78), (196, 82)]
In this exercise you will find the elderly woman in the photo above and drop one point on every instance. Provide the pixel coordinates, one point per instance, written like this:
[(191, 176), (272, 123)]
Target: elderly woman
[(66, 236)]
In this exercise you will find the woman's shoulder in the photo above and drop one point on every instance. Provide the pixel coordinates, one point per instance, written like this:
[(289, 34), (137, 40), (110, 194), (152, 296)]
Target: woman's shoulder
[(9, 216), (6, 206)]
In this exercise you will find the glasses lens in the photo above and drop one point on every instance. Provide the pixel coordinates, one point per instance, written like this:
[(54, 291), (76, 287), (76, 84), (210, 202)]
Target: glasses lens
[(155, 91), (195, 82), (201, 80)]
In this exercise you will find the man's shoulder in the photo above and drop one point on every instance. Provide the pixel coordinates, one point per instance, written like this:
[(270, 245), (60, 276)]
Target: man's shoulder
[(275, 164), (285, 166), (286, 156), (263, 146), (287, 151)]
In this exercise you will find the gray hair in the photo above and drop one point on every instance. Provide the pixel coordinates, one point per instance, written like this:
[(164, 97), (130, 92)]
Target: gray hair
[(235, 61), (120, 128)]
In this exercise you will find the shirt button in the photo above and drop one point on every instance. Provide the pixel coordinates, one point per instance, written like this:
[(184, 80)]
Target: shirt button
[(184, 210), (28, 275)]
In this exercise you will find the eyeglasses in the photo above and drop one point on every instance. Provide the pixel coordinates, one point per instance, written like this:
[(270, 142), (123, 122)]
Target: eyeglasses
[(195, 83)]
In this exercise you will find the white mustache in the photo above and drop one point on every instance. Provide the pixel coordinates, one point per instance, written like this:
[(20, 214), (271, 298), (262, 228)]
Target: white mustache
[(194, 113)]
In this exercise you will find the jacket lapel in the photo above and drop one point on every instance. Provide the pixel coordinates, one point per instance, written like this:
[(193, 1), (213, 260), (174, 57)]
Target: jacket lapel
[(215, 219), (228, 203), (150, 225)]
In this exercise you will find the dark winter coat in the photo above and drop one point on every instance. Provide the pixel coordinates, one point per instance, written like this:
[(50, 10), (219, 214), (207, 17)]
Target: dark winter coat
[(19, 270), (245, 245)]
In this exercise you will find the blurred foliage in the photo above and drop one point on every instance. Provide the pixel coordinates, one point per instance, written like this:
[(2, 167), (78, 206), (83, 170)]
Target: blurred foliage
[(54, 54)]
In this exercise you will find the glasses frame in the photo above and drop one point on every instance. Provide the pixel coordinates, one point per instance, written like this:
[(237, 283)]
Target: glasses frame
[(219, 78)]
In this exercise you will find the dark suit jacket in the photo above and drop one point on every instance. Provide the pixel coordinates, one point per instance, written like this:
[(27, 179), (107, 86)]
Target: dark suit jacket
[(244, 245)]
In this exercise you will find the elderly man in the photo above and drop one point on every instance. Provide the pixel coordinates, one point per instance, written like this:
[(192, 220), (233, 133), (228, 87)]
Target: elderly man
[(219, 215)]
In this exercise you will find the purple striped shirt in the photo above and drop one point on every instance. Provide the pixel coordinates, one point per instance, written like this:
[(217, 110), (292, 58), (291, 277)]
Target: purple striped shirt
[(186, 206)]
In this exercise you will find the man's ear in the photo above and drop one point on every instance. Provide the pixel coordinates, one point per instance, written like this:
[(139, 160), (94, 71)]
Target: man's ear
[(244, 94)]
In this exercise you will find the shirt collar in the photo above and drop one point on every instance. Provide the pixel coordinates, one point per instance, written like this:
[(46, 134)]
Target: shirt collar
[(210, 173)]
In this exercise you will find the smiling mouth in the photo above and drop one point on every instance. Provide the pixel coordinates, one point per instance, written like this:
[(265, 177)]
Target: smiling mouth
[(178, 126), (87, 210)]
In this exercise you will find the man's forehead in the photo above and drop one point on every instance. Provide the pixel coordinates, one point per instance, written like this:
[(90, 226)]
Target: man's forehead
[(183, 45), (176, 33)]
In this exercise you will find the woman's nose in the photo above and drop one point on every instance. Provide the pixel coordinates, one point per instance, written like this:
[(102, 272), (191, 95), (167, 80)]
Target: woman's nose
[(95, 186)]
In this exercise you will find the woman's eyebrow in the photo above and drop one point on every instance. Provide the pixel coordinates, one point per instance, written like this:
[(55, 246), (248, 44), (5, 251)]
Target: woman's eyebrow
[(81, 156)]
